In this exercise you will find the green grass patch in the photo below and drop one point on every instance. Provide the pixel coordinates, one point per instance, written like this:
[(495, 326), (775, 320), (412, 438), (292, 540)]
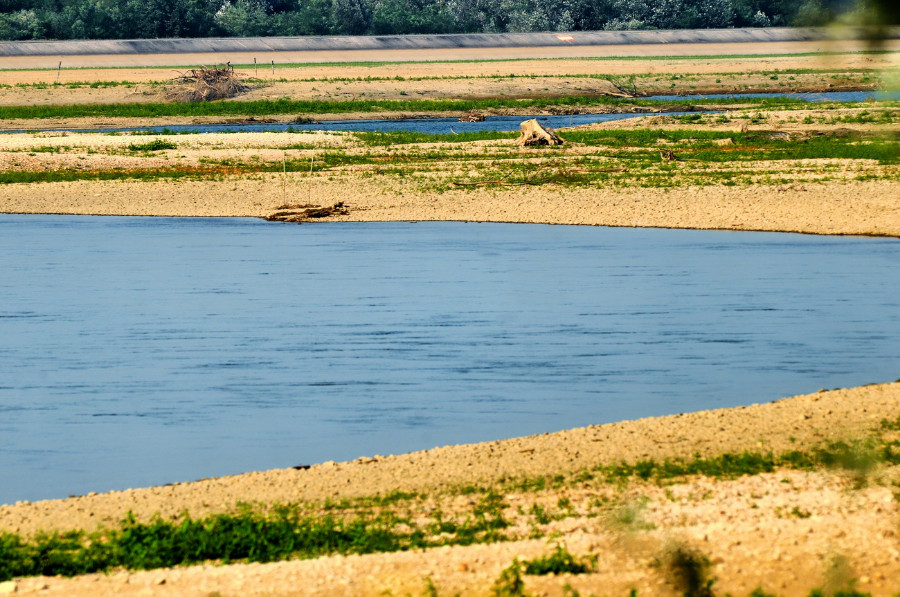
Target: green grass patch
[(561, 561), (701, 145), (159, 543), (155, 145), (856, 457), (246, 536), (149, 174), (79, 84), (286, 106), (280, 107)]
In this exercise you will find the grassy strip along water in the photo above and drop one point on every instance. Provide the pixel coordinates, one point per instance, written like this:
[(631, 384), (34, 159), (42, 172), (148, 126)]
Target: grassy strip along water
[(302, 108), (387, 523), (250, 536)]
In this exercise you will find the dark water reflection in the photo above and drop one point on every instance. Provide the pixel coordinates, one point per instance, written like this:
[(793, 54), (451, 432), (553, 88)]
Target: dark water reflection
[(137, 351)]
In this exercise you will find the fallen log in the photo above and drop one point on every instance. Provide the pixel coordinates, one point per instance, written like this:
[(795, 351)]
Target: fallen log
[(305, 213)]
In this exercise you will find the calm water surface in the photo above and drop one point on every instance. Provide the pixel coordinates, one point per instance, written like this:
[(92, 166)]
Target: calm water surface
[(137, 351), (445, 126)]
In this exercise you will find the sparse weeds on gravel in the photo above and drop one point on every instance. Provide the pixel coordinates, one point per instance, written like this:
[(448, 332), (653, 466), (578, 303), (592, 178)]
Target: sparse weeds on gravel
[(728, 465), (856, 457), (845, 593), (510, 583), (628, 516), (760, 592), (47, 149), (561, 561), (389, 139), (487, 521), (839, 577), (79, 85), (890, 424), (430, 590), (859, 458), (542, 515)]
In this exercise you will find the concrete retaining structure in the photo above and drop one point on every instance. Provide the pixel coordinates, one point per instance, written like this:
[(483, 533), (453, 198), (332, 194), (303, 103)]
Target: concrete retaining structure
[(414, 42)]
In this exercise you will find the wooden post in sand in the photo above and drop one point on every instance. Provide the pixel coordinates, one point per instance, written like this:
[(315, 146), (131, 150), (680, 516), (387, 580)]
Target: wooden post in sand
[(309, 181)]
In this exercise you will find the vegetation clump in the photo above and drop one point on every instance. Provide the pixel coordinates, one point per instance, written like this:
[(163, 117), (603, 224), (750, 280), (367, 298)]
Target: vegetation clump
[(688, 569), (155, 145), (510, 582), (561, 561)]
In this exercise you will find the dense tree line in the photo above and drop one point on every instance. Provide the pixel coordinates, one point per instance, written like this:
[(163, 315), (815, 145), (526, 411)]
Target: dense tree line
[(129, 19)]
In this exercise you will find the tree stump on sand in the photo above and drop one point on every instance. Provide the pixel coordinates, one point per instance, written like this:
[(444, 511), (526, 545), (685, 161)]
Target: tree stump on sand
[(668, 156), (535, 134)]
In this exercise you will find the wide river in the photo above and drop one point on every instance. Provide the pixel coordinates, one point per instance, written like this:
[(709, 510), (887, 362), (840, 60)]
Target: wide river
[(139, 351)]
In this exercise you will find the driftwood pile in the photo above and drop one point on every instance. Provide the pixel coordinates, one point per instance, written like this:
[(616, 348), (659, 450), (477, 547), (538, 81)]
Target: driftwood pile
[(533, 133), (206, 84), (305, 213)]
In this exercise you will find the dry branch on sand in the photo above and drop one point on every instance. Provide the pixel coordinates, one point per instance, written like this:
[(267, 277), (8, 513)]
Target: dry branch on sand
[(206, 84)]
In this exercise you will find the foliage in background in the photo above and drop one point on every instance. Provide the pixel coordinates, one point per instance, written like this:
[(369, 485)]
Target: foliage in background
[(148, 19)]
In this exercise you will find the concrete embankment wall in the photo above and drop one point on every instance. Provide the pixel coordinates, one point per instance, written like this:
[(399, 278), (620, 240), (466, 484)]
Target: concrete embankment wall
[(415, 42)]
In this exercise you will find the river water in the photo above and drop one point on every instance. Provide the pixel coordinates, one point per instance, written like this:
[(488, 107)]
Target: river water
[(139, 351), (445, 126)]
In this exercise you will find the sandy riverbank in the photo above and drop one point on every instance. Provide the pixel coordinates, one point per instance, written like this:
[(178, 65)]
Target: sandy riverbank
[(848, 208), (816, 196)]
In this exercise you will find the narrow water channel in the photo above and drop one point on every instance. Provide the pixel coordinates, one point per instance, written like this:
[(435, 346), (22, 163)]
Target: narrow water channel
[(446, 126)]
